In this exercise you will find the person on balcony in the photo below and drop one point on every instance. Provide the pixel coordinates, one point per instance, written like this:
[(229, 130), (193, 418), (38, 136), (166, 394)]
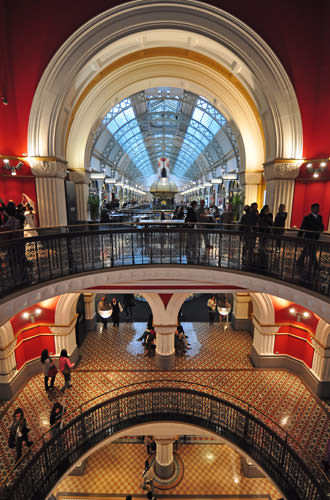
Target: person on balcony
[(310, 229), (56, 416), (249, 224), (203, 216), (279, 224), (116, 309), (191, 239)]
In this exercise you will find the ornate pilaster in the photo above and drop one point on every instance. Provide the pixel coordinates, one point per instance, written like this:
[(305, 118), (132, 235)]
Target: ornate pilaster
[(264, 338), (81, 180), (164, 464), (65, 337), (7, 353), (50, 175), (280, 178), (250, 182), (241, 311), (90, 314), (165, 351)]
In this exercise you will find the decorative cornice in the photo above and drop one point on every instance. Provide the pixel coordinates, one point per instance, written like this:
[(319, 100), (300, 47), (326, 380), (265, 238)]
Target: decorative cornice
[(250, 178), (282, 169)]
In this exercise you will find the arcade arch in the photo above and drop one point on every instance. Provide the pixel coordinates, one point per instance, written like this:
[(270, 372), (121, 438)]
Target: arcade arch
[(210, 53)]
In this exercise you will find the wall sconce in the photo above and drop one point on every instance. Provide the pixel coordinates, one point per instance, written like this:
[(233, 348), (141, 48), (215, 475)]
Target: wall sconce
[(299, 315), (12, 168), (31, 316), (316, 167)]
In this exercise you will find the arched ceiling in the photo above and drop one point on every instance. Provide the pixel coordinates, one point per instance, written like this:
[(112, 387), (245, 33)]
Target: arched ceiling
[(165, 121)]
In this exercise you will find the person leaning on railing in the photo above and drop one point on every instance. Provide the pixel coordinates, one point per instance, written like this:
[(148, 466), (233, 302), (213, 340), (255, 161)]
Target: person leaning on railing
[(310, 229), (249, 224)]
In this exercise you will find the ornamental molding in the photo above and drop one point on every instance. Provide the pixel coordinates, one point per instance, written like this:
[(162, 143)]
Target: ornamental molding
[(48, 168), (79, 176), (246, 178), (282, 169)]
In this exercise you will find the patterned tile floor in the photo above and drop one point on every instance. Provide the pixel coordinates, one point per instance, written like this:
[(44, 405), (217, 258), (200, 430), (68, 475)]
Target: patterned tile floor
[(209, 469), (115, 358)]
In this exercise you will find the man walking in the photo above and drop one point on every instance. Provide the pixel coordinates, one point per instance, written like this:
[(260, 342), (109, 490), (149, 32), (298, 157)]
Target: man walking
[(310, 229)]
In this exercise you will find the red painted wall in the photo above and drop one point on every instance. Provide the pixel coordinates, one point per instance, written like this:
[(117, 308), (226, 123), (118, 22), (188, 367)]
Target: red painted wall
[(297, 31), (305, 194), (299, 333), (34, 333)]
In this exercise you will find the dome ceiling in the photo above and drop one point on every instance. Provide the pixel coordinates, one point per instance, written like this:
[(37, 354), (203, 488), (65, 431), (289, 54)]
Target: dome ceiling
[(170, 122)]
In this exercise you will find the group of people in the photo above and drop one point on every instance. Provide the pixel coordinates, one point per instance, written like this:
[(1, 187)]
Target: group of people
[(148, 339), (112, 309), (19, 431), (15, 217)]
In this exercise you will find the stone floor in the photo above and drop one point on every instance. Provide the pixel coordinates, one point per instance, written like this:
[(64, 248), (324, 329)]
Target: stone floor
[(218, 360)]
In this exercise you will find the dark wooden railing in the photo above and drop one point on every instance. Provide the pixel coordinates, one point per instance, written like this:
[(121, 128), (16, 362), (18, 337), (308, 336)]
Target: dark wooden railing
[(269, 445), (66, 251)]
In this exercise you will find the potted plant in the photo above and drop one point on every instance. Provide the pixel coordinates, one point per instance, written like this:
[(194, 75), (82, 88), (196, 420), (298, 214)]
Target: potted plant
[(94, 206), (237, 205)]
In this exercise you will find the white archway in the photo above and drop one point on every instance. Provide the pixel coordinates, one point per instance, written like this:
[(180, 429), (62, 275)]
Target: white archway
[(252, 88), (166, 279)]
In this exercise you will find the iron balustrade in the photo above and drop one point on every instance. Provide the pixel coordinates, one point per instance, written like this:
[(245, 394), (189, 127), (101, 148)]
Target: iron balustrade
[(268, 444), (62, 252)]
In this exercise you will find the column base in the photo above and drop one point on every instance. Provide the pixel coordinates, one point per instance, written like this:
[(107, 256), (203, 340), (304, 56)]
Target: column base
[(165, 362), (242, 324), (91, 324), (164, 471)]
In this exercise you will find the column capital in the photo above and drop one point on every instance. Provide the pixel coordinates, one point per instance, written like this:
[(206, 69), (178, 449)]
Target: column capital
[(165, 329), (164, 441), (246, 178), (282, 169), (80, 176), (48, 168)]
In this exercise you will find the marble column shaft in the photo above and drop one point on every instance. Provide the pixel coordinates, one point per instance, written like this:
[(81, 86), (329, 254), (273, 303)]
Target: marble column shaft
[(165, 351), (164, 465)]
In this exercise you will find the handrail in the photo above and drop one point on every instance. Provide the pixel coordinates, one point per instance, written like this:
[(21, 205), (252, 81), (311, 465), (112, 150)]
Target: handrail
[(202, 407), (38, 259)]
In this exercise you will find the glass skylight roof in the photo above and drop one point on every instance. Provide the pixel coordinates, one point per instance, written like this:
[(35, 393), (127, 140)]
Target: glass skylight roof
[(161, 121)]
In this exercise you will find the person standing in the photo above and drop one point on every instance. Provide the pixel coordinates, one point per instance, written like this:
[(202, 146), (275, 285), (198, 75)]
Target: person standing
[(279, 223), (19, 433), (56, 416), (310, 229), (129, 303), (148, 477), (203, 216), (249, 223), (212, 307), (65, 368), (49, 369), (103, 310), (116, 309), (191, 238)]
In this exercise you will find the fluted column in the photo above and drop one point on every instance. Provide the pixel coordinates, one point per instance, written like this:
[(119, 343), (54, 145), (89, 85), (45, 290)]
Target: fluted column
[(165, 351), (264, 338), (7, 354), (65, 337), (280, 178), (164, 464), (241, 311), (321, 362), (49, 176), (90, 313), (81, 180), (250, 183)]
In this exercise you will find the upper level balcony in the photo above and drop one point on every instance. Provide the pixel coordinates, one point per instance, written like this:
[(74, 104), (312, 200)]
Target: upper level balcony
[(58, 253)]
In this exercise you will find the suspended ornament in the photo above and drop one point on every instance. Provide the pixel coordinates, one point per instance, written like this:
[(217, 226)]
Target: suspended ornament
[(224, 306)]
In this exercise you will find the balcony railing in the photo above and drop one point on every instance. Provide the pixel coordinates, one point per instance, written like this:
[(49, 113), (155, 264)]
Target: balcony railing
[(268, 444), (67, 251)]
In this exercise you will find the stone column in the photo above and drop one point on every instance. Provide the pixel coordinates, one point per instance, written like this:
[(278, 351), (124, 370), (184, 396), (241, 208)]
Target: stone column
[(321, 368), (280, 178), (165, 351), (90, 313), (81, 180), (250, 183), (241, 319), (50, 175), (164, 463)]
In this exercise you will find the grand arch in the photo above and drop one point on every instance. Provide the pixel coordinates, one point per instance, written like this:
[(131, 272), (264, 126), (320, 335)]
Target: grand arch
[(138, 45)]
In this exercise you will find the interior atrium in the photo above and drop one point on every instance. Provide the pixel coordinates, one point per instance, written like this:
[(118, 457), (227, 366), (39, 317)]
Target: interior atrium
[(164, 250)]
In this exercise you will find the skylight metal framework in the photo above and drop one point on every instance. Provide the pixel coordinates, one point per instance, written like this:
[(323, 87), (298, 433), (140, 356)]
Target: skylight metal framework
[(164, 121)]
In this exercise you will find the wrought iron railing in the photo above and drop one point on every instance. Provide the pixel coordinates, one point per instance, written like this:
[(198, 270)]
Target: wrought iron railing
[(268, 444), (66, 251)]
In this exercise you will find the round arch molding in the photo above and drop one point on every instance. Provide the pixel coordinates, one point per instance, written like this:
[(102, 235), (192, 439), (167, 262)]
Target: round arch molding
[(225, 60)]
